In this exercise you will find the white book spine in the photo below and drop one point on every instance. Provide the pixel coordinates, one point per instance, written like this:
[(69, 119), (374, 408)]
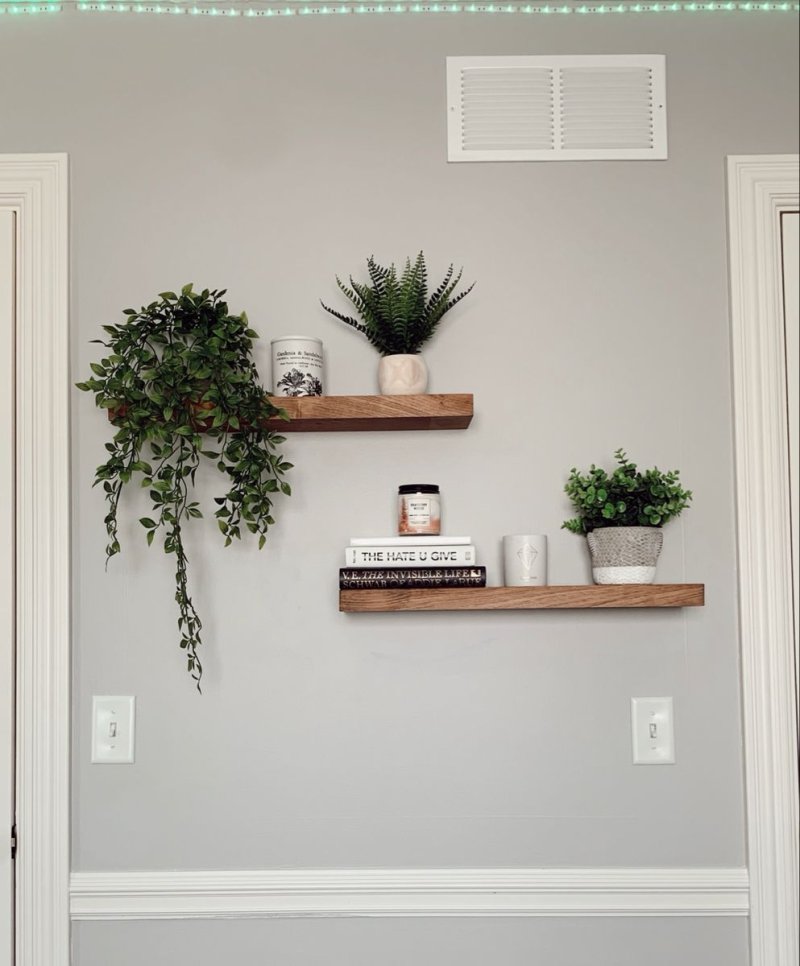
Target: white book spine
[(410, 556), (410, 541)]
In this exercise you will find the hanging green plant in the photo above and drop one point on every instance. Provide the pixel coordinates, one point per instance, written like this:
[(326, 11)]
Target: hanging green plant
[(180, 384)]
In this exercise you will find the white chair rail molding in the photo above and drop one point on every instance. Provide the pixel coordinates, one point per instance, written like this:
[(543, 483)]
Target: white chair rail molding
[(409, 892)]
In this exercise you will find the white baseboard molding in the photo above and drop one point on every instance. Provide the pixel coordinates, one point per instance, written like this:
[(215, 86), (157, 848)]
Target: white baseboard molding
[(409, 892)]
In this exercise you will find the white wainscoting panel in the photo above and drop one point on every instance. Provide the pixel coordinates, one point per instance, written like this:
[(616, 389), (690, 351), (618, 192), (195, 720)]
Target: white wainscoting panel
[(409, 892)]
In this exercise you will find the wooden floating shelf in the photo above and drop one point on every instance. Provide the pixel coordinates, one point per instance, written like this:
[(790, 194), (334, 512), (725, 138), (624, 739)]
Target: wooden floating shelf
[(565, 597), (326, 414)]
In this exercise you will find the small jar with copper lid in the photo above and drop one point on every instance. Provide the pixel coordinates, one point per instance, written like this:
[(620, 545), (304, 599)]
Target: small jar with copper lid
[(419, 511)]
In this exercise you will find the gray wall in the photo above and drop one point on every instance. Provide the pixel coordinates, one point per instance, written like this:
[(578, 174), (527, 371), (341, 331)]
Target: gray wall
[(265, 158), (410, 942)]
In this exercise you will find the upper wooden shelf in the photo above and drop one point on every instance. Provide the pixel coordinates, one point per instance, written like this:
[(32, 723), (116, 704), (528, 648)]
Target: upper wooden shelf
[(564, 597), (326, 414)]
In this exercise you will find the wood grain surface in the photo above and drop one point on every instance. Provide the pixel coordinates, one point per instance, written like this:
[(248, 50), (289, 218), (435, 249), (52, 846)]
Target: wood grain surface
[(565, 597), (324, 414)]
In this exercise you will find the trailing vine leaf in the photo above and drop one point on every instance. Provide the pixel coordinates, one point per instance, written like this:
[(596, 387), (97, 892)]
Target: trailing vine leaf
[(397, 315), (179, 385)]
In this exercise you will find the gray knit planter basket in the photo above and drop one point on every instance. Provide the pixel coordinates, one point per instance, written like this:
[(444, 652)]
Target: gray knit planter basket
[(624, 555)]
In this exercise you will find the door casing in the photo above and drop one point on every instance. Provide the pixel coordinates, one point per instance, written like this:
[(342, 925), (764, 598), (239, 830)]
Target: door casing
[(35, 188), (760, 189), (8, 247)]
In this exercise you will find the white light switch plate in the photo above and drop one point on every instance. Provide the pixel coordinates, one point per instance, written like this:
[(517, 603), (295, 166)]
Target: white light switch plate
[(112, 729), (653, 737)]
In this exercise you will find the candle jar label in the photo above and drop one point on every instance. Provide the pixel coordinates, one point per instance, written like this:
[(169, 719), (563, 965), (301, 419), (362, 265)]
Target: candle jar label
[(297, 366)]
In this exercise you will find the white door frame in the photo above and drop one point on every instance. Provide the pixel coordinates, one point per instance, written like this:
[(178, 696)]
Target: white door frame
[(759, 189), (35, 187), (8, 249)]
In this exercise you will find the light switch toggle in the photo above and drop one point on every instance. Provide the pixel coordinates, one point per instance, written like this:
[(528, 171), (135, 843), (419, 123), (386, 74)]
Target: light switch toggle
[(113, 729), (651, 728)]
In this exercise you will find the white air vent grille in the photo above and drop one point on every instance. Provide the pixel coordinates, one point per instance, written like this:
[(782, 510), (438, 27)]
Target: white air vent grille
[(556, 108)]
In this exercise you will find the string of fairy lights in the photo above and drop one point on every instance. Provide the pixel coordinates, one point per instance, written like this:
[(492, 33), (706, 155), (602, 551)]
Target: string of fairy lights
[(254, 8)]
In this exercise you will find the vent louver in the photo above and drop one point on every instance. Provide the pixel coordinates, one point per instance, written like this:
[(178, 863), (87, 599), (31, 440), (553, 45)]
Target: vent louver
[(507, 108), (556, 108)]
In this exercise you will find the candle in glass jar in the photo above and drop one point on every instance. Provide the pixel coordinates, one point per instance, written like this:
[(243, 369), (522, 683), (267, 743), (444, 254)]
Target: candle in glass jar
[(419, 510)]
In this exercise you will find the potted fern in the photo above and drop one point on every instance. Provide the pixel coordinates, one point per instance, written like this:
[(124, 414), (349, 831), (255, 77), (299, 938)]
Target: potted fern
[(621, 514), (398, 317), (179, 384)]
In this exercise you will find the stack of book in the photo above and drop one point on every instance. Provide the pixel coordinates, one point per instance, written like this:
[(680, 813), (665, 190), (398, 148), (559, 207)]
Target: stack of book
[(382, 563)]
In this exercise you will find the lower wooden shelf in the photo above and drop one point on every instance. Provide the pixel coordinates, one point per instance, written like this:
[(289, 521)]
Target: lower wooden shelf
[(563, 597)]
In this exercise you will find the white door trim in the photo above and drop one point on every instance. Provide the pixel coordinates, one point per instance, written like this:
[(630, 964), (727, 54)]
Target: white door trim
[(261, 894), (759, 189), (35, 187), (8, 287)]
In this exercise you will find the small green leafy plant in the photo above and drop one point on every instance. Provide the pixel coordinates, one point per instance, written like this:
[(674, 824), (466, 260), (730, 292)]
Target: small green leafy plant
[(179, 384), (397, 315), (625, 498)]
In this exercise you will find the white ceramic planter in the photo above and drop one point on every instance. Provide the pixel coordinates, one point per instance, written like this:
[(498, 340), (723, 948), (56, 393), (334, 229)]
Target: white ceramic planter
[(625, 555), (402, 375)]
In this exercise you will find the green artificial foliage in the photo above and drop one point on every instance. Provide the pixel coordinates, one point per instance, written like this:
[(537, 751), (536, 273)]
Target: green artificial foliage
[(625, 498), (397, 315), (179, 384)]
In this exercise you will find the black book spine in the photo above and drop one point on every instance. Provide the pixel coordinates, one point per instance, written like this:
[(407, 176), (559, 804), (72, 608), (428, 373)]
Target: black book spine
[(370, 578)]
